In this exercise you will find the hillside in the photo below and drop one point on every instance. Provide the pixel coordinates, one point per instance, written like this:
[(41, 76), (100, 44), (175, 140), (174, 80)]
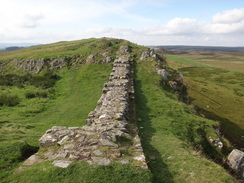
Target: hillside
[(59, 85)]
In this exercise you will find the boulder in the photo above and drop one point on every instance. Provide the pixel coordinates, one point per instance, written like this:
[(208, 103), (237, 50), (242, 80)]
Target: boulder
[(145, 55), (236, 162), (152, 53), (163, 73)]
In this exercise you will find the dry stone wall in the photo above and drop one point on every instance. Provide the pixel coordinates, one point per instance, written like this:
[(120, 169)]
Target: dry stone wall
[(110, 134)]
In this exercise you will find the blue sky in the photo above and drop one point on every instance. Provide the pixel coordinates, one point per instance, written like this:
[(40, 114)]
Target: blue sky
[(146, 22)]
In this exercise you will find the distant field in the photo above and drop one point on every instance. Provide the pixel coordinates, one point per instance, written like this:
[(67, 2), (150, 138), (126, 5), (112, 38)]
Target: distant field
[(216, 85), (228, 60), (201, 48)]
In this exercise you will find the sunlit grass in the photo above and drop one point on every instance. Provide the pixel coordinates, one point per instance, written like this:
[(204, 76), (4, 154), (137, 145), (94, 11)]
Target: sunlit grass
[(172, 137)]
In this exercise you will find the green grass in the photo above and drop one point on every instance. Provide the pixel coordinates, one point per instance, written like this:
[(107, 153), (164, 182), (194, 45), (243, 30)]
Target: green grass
[(172, 137), (179, 62), (68, 101), (174, 140), (76, 94), (81, 172), (218, 93), (81, 47)]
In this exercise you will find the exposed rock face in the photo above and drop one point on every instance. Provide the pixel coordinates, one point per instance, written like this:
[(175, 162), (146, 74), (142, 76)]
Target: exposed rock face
[(148, 53), (107, 136), (236, 162), (151, 53), (37, 65), (163, 73), (174, 80), (90, 58)]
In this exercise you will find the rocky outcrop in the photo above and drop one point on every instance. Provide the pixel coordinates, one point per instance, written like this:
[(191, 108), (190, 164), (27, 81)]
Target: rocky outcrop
[(236, 162), (148, 53), (110, 134), (170, 77), (174, 80), (37, 65), (163, 74)]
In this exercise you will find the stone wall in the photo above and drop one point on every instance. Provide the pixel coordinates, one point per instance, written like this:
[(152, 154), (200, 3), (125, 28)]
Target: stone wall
[(110, 134)]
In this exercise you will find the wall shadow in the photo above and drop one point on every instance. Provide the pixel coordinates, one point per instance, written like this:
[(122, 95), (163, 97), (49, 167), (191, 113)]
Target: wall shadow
[(157, 166)]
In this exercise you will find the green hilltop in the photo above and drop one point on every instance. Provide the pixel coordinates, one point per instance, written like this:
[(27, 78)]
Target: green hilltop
[(59, 84)]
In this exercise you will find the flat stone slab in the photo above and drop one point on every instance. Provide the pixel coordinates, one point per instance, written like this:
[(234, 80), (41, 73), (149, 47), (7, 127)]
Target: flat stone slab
[(61, 163)]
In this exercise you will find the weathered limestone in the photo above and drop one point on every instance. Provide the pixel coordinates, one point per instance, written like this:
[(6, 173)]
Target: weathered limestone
[(107, 136)]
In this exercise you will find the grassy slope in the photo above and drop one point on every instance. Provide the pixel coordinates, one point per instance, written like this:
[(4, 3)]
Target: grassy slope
[(76, 95), (218, 92), (169, 132), (168, 129), (68, 104)]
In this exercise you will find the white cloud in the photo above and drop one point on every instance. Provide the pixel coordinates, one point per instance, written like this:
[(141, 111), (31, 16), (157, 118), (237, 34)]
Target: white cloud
[(229, 17), (177, 26), (237, 28), (54, 20), (228, 22), (31, 21), (180, 31)]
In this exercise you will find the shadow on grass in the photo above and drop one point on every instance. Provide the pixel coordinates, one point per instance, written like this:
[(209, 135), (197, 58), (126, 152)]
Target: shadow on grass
[(230, 130), (155, 163)]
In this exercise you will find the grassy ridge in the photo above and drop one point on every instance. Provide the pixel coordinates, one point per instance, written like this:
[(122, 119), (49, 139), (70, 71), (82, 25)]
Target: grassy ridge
[(81, 47)]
